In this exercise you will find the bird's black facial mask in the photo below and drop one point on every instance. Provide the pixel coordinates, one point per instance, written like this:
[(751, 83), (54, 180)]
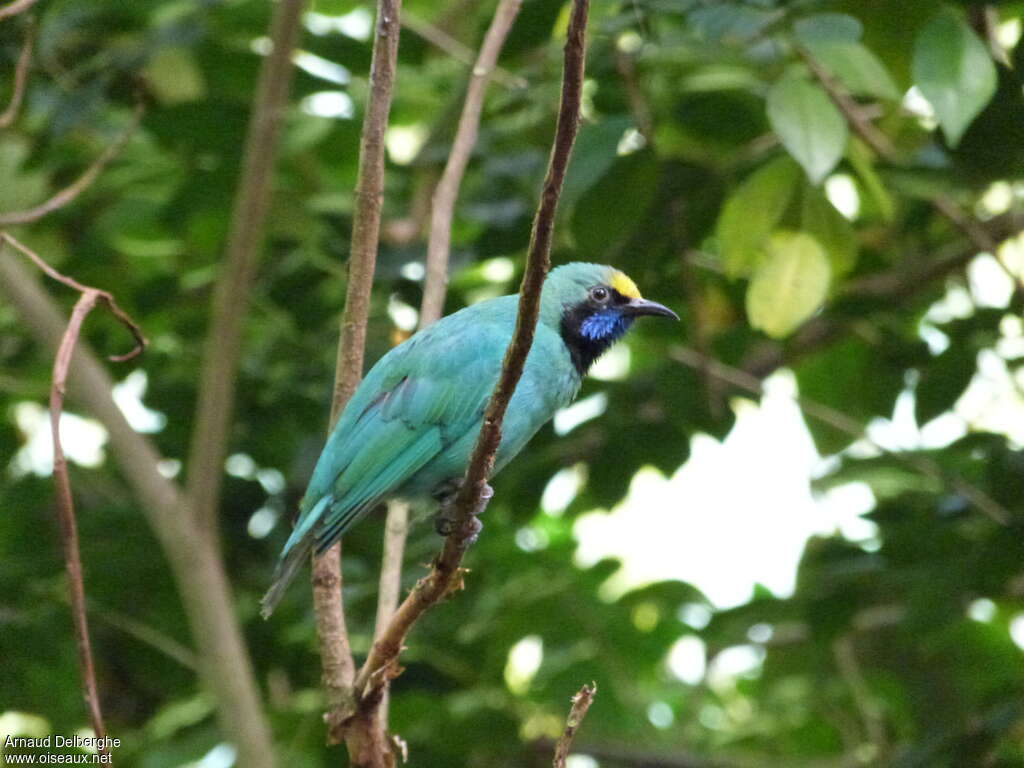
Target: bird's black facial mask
[(592, 326)]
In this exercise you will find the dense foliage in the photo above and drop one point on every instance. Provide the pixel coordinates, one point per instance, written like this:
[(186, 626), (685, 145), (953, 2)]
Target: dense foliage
[(718, 139)]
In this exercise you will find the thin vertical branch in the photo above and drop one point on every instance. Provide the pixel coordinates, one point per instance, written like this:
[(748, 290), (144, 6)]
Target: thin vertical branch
[(580, 706), (396, 529), (223, 344), (445, 575), (436, 281), (65, 500), (872, 720), (197, 567), (335, 649), (10, 114), (447, 190)]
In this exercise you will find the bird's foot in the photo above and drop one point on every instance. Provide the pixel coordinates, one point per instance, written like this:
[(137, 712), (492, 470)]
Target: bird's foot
[(445, 522)]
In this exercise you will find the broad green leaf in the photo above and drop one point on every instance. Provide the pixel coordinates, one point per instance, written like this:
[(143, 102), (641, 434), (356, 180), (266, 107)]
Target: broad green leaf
[(752, 212), (808, 124), (955, 73), (828, 27), (174, 77), (943, 381), (790, 285), (818, 217), (856, 67), (592, 156)]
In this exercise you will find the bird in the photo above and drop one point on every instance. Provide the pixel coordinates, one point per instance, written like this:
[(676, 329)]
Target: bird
[(409, 429)]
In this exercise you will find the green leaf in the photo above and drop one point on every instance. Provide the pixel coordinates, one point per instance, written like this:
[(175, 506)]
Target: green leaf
[(856, 67), (592, 156), (830, 228), (807, 122), (955, 73), (752, 212), (174, 77), (943, 381), (790, 285), (828, 27)]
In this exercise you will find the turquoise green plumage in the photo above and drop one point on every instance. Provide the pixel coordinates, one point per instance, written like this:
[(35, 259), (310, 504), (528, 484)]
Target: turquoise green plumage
[(410, 427)]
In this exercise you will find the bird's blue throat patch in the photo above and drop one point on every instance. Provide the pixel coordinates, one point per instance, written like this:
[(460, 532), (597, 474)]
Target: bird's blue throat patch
[(606, 326)]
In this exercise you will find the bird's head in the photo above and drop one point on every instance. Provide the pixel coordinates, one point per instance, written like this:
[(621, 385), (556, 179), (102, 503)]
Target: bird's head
[(592, 306)]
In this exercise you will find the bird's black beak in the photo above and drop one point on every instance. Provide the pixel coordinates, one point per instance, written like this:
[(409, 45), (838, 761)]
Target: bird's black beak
[(638, 307)]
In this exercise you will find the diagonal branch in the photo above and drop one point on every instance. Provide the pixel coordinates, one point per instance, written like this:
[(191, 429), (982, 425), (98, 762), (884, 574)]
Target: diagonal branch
[(861, 125), (335, 649), (16, 7), (447, 190), (580, 706), (437, 37), (79, 185), (10, 114), (435, 284), (223, 345), (445, 575), (198, 570)]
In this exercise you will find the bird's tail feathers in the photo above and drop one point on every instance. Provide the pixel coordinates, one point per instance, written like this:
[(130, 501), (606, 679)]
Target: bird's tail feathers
[(296, 552), (283, 575)]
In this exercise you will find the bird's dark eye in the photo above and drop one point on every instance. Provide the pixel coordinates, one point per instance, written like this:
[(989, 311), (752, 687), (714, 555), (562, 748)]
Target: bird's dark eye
[(599, 293)]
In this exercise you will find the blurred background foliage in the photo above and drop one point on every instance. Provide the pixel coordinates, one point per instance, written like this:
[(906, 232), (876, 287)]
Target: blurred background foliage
[(721, 166)]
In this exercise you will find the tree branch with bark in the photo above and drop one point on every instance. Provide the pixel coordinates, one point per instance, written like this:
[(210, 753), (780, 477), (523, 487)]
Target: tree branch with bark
[(446, 574), (87, 301), (21, 69), (435, 284), (363, 738), (223, 347)]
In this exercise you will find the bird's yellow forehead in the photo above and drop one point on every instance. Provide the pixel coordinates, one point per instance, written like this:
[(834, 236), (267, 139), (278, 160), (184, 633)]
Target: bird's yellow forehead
[(622, 283)]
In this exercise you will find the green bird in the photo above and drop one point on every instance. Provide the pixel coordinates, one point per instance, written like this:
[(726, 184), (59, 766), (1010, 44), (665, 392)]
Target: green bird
[(409, 429)]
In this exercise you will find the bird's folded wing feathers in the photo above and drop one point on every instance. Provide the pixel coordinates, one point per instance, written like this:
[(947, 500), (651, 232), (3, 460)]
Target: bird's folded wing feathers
[(422, 401)]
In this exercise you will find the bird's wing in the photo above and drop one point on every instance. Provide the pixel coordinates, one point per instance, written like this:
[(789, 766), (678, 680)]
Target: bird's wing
[(426, 398)]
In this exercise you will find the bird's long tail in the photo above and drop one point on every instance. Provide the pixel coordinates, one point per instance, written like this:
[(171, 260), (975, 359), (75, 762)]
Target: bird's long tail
[(296, 552), (283, 575)]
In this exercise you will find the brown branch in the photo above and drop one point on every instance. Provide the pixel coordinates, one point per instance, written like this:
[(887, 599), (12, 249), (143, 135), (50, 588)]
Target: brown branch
[(10, 114), (223, 347), (461, 53), (364, 738), (625, 63), (80, 184), (103, 296), (446, 193), (848, 426), (195, 564), (851, 110), (445, 575), (16, 7), (88, 300), (580, 705), (435, 284), (396, 529), (872, 719), (148, 635)]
